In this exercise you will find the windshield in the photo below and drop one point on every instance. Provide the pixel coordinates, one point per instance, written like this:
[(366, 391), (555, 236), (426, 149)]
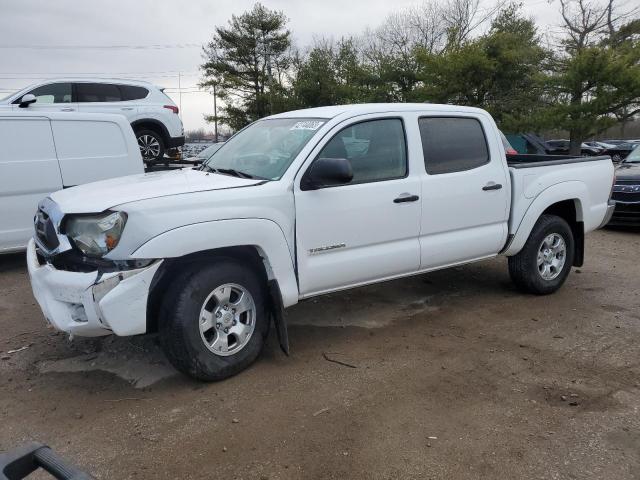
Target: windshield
[(210, 150), (264, 149), (634, 156)]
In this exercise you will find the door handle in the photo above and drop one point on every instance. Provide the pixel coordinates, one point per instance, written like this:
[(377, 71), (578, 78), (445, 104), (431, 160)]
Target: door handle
[(126, 108), (67, 109), (492, 186), (405, 198)]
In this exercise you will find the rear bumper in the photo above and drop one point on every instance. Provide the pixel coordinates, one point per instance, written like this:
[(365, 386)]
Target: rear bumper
[(90, 304), (174, 142), (611, 205)]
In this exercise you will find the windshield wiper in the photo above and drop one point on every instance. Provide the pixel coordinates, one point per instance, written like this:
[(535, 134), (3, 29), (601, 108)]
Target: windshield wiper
[(232, 172), (235, 173)]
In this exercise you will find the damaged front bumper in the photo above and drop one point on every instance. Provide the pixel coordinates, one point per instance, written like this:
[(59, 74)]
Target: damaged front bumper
[(94, 303)]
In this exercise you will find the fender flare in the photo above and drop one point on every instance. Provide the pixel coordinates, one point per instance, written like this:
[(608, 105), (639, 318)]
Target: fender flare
[(263, 234), (574, 190)]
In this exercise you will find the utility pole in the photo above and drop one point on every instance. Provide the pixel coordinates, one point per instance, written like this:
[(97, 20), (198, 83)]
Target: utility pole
[(215, 112), (180, 92)]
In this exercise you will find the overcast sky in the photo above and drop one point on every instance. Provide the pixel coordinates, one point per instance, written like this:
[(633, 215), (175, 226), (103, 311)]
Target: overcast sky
[(48, 24)]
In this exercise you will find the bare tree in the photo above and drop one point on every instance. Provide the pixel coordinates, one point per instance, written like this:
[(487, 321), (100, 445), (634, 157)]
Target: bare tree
[(595, 98), (463, 17), (431, 25), (587, 21)]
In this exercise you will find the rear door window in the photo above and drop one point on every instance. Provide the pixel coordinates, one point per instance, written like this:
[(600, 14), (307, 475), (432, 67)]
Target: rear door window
[(98, 92), (452, 144)]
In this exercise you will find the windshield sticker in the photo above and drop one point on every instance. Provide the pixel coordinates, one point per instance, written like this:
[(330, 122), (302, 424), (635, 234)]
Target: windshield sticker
[(308, 125)]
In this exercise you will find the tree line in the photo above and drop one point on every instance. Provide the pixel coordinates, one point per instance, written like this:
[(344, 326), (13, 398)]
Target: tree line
[(583, 78)]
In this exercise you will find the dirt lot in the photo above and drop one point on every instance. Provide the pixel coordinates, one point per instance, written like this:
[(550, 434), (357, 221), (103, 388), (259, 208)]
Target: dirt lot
[(456, 376)]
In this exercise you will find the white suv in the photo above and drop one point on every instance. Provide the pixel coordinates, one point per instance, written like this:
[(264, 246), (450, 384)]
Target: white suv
[(152, 114)]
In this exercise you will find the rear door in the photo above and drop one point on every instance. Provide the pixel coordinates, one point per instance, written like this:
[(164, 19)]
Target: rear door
[(28, 173), (366, 230), (105, 98), (465, 193), (53, 97)]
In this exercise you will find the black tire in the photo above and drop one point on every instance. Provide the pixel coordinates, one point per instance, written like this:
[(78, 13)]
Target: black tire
[(179, 331), (150, 156), (523, 267)]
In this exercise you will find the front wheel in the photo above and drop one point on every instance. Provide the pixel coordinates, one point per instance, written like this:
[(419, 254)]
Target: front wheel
[(214, 323), (544, 263)]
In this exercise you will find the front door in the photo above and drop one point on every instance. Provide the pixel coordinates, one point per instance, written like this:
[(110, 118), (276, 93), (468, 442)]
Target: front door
[(53, 97), (365, 230)]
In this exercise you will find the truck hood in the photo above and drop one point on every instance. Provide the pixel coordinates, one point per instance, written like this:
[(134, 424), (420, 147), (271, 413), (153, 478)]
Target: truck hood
[(628, 171), (99, 196)]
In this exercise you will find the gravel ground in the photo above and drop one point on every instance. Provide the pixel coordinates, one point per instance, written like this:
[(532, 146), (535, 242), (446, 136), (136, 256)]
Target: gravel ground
[(448, 375)]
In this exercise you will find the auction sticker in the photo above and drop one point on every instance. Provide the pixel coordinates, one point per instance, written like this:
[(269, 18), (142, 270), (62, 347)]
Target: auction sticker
[(308, 125)]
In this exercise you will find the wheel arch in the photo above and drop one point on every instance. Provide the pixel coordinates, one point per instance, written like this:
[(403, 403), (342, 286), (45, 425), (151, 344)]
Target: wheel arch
[(260, 242), (566, 200), (152, 124), (172, 267), (570, 211)]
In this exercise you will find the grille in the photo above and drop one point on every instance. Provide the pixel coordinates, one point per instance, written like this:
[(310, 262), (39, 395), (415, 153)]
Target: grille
[(45, 231), (628, 193)]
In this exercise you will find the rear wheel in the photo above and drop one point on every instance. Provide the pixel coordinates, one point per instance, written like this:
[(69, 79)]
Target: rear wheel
[(151, 146), (214, 323), (544, 263)]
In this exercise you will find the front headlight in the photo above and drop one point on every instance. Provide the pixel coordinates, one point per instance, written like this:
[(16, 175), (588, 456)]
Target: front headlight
[(96, 235)]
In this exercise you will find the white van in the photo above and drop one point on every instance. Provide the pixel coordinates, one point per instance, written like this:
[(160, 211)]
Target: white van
[(47, 151)]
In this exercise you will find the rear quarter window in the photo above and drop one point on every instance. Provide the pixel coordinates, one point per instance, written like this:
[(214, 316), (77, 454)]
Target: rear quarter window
[(452, 144), (132, 92)]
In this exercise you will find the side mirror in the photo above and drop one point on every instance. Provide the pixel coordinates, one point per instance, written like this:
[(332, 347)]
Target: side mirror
[(327, 172), (27, 100)]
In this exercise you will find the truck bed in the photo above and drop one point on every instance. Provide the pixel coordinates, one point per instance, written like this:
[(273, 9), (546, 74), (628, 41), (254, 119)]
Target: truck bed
[(581, 177)]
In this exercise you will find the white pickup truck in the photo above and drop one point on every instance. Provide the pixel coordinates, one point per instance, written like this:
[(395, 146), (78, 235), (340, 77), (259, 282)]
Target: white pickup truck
[(301, 204)]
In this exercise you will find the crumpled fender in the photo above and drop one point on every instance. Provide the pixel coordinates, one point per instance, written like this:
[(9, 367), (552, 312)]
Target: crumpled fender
[(264, 234)]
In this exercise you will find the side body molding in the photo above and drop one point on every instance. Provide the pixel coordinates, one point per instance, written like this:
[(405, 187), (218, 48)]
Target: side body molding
[(573, 190), (263, 234)]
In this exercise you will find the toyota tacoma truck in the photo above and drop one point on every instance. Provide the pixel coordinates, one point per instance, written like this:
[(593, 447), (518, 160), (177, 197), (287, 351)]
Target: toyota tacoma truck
[(301, 204)]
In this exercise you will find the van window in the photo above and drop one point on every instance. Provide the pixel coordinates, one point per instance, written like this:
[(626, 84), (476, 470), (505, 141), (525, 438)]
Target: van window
[(375, 148), (98, 92), (52, 93), (452, 144)]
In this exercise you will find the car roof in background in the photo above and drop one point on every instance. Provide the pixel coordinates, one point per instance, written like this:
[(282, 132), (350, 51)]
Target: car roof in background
[(121, 81), (118, 81)]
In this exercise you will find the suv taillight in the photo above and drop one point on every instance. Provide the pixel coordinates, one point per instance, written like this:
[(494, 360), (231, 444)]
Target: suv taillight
[(173, 108)]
